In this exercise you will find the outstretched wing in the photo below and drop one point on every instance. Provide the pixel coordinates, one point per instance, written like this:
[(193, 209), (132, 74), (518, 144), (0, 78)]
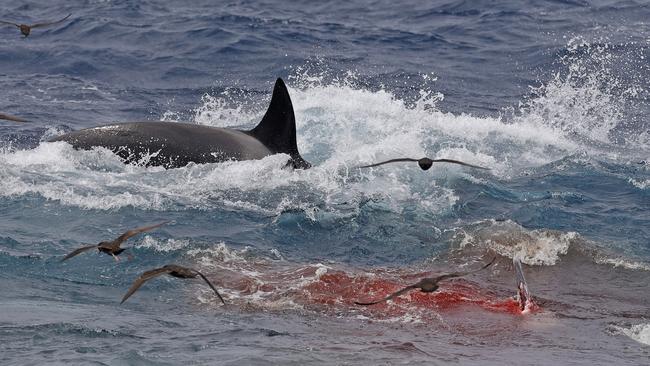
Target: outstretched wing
[(78, 251), (11, 118), (146, 276), (387, 162), (460, 274), (37, 25), (417, 285), (210, 284), (9, 23), (458, 162), (136, 231), (389, 297)]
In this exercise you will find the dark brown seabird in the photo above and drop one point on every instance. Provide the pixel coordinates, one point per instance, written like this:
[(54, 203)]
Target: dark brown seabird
[(429, 284), (26, 29), (424, 163), (12, 118), (172, 270), (113, 247)]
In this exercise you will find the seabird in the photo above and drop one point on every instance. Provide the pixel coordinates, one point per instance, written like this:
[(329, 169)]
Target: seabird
[(429, 284), (172, 270), (25, 29), (424, 163), (113, 247)]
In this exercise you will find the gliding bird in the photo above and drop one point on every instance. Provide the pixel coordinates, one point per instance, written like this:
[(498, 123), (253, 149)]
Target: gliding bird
[(172, 270), (26, 29), (113, 247), (425, 163), (429, 284)]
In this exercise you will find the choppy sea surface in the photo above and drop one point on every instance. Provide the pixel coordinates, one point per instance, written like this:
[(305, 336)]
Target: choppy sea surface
[(553, 96)]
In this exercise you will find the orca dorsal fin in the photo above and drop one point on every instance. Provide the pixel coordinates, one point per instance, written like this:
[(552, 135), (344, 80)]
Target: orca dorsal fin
[(277, 130)]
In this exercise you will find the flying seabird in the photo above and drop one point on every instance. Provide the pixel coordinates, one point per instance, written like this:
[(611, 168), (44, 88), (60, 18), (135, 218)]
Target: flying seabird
[(25, 29), (429, 284), (172, 270), (424, 163), (113, 247)]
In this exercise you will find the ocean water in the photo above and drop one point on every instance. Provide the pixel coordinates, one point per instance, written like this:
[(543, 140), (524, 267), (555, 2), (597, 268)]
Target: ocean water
[(553, 96)]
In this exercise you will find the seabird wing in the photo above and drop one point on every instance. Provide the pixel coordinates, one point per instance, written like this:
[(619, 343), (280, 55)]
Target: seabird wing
[(139, 230), (389, 297), (387, 162), (210, 284), (38, 25), (9, 117), (146, 276), (458, 162), (460, 274), (435, 279), (9, 23), (78, 251)]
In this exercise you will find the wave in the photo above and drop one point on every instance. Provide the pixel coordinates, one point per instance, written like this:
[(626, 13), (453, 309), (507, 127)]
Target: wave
[(536, 247), (509, 239), (638, 332)]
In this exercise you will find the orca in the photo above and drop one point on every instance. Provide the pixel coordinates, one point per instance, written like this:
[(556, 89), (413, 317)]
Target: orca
[(174, 144)]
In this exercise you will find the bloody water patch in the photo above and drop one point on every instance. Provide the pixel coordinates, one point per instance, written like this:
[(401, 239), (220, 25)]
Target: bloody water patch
[(278, 285), (341, 289)]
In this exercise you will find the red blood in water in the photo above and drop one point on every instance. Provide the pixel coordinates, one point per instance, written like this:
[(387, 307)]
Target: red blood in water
[(337, 287)]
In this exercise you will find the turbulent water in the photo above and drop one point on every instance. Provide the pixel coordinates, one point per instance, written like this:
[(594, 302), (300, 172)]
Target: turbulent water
[(553, 96)]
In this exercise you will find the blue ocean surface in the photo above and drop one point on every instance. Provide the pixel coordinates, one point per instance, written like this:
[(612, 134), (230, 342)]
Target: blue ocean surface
[(553, 96)]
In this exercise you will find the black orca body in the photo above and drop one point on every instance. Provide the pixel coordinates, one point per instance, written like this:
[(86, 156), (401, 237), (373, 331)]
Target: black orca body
[(173, 145)]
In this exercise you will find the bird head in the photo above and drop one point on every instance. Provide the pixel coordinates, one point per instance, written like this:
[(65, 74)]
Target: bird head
[(103, 244)]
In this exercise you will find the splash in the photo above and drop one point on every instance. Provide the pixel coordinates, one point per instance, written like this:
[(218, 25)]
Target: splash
[(598, 95), (640, 184), (163, 246), (342, 123), (638, 332), (509, 239)]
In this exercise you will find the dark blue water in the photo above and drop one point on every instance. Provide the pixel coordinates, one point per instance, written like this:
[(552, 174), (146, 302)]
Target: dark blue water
[(553, 96)]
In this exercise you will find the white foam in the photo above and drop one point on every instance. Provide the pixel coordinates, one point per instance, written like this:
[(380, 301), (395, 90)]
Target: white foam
[(532, 247), (339, 125), (168, 245), (219, 253), (638, 332), (262, 282), (640, 184), (590, 97), (624, 263), (222, 111), (303, 281)]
